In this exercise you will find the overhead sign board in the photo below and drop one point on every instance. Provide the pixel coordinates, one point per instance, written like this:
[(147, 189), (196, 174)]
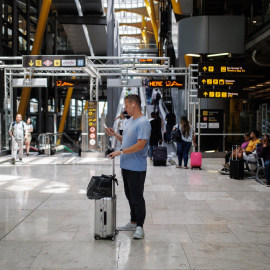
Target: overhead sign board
[(55, 61), (222, 81), (92, 125), (120, 83), (224, 68), (222, 93), (40, 82), (166, 84)]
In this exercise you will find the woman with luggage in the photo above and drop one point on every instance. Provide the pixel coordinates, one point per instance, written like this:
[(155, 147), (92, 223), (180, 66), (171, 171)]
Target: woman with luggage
[(183, 147)]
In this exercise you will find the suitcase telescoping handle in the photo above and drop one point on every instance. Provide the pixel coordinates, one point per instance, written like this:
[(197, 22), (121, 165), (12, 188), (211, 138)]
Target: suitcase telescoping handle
[(113, 174), (236, 147)]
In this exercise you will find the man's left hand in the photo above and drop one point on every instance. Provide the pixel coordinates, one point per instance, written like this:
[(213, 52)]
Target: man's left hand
[(114, 154)]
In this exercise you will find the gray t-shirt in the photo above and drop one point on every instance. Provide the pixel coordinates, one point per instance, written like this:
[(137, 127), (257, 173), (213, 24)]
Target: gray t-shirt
[(18, 129)]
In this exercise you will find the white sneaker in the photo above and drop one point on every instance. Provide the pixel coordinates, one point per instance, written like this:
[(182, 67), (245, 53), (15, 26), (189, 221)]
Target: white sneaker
[(128, 227), (139, 233)]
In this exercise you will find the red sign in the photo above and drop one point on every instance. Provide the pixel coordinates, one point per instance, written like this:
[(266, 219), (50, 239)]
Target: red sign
[(92, 135), (92, 129)]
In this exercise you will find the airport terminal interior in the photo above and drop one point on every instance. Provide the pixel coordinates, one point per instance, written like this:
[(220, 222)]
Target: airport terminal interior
[(68, 65)]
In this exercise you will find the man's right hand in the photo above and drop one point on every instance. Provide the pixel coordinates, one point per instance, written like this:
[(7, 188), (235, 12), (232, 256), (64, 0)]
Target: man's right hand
[(110, 131)]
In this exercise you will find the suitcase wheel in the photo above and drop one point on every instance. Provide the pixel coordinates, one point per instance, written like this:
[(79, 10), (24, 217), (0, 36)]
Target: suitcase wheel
[(113, 238), (97, 237)]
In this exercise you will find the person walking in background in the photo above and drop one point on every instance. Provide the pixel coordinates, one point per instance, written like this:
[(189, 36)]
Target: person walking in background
[(155, 136), (183, 147), (171, 121), (148, 93), (133, 162), (263, 151), (121, 122), (29, 129), (156, 96), (128, 91), (18, 133)]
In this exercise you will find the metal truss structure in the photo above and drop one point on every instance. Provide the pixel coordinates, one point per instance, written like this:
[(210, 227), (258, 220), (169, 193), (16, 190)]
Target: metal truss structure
[(95, 68)]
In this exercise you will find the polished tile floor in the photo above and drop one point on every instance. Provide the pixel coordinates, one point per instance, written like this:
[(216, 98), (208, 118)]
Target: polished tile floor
[(195, 219)]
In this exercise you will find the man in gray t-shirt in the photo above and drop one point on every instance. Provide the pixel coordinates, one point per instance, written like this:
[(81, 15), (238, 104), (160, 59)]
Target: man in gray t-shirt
[(18, 133), (133, 163)]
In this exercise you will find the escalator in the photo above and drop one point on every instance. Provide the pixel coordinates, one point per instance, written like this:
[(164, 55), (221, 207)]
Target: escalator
[(52, 143)]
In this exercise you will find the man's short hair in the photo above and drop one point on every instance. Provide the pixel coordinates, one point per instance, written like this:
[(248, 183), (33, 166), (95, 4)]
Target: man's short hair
[(153, 114), (134, 98)]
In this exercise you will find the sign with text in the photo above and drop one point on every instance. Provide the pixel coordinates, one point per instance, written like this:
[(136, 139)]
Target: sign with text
[(55, 61), (222, 93), (223, 81), (228, 68), (166, 84), (92, 125), (211, 120), (72, 83)]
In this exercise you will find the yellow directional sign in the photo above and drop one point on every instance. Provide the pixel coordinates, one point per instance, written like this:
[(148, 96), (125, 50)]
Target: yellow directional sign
[(209, 81), (57, 63), (231, 68), (223, 69), (38, 63), (203, 81), (221, 82), (222, 93), (31, 63)]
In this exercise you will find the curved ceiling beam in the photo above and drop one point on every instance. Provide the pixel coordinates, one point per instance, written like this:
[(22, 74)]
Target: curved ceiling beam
[(256, 62), (144, 31), (177, 10), (151, 12), (176, 7)]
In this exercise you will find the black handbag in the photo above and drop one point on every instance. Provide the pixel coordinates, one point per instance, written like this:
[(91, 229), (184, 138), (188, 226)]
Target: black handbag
[(176, 135), (100, 187)]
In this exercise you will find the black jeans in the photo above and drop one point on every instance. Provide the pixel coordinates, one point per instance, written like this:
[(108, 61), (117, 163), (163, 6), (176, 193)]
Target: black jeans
[(134, 187)]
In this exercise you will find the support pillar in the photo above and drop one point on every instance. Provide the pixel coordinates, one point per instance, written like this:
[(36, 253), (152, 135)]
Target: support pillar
[(39, 118), (14, 28), (110, 52)]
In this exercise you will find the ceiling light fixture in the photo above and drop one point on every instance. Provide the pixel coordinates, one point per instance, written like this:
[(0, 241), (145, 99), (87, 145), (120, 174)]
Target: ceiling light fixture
[(217, 54), (194, 55)]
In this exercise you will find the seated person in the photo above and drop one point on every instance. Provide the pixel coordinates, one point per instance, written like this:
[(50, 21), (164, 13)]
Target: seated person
[(264, 152), (248, 154)]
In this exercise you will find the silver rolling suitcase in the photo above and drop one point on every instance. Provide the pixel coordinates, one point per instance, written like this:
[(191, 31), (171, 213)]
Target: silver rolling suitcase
[(105, 214)]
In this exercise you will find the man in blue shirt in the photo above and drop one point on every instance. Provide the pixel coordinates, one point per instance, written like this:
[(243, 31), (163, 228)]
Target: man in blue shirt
[(133, 162)]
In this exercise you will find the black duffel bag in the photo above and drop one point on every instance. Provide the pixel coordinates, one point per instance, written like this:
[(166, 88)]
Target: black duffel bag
[(100, 187)]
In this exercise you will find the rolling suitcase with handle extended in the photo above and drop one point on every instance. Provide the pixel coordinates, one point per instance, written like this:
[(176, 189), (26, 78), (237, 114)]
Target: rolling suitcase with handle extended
[(105, 207), (236, 166), (105, 214)]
